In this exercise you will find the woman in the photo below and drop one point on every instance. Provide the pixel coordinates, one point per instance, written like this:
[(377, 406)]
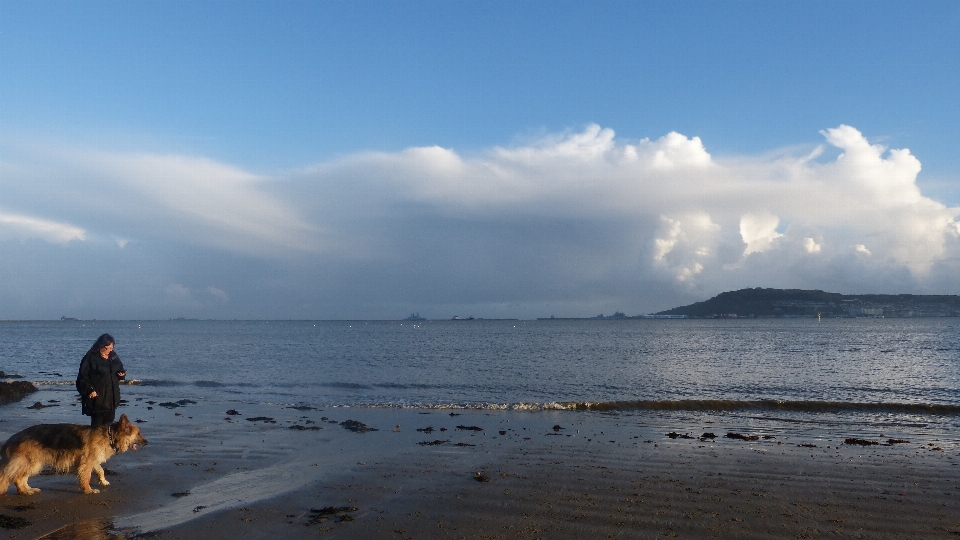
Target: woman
[(99, 381)]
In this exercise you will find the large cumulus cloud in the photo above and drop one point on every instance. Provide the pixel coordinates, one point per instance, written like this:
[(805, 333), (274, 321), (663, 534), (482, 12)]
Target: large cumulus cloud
[(574, 223), (701, 215)]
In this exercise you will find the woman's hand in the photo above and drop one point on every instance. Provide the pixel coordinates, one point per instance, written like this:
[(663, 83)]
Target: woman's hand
[(121, 374), (92, 394)]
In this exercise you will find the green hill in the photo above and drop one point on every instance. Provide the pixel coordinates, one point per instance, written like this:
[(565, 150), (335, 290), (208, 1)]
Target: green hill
[(792, 303)]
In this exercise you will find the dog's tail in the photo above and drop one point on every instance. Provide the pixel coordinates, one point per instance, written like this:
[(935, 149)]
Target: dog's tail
[(4, 477)]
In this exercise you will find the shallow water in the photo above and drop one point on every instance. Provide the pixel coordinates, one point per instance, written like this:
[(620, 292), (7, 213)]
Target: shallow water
[(914, 361)]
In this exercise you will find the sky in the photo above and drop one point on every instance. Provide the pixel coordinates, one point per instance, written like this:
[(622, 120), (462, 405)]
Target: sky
[(496, 159)]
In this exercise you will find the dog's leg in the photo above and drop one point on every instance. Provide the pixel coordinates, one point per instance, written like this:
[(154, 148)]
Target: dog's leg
[(19, 470), (4, 480), (83, 478), (99, 470), (23, 488)]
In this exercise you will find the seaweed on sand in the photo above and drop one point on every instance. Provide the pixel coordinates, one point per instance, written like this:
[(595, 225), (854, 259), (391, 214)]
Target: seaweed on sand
[(15, 391), (356, 426), (341, 513), (13, 522)]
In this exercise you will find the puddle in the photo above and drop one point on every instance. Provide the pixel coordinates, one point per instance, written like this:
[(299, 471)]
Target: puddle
[(229, 492), (235, 490)]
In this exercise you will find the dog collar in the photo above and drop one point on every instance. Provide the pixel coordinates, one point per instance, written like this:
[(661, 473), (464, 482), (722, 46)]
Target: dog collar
[(112, 438)]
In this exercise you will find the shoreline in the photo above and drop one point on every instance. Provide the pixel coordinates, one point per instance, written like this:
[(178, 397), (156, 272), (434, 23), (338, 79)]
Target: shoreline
[(206, 473)]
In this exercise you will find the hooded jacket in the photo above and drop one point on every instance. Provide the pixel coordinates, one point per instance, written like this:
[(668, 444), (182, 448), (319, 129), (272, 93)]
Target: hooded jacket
[(100, 375)]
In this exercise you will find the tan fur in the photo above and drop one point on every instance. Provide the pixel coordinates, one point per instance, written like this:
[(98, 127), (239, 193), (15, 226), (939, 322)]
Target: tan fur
[(64, 447)]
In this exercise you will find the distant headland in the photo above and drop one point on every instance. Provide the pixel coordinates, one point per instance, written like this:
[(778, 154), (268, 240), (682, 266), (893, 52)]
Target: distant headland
[(797, 303)]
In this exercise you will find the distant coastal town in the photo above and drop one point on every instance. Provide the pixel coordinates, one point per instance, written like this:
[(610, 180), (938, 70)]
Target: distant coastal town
[(797, 303)]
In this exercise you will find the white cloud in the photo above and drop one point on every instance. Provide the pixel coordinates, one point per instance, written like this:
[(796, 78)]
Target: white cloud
[(209, 202), (759, 232), (218, 293), (683, 244), (675, 150), (573, 219), (867, 192), (21, 227), (583, 174), (179, 293), (811, 245), (137, 195)]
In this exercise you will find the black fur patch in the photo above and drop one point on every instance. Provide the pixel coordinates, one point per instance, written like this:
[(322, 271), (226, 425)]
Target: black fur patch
[(53, 436)]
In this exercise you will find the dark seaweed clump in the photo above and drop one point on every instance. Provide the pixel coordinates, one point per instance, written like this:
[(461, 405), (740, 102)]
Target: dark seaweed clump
[(437, 442), (305, 428), (181, 403), (860, 442), (15, 391), (303, 408), (13, 522), (356, 427), (37, 406), (341, 513)]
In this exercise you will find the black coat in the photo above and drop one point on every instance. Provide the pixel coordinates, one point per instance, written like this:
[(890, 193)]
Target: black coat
[(97, 373)]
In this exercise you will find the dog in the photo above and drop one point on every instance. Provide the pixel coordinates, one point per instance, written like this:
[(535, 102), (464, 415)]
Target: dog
[(65, 447)]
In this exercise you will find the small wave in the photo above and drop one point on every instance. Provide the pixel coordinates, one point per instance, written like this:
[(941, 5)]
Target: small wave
[(409, 386), (131, 382), (705, 405), (160, 382), (765, 405), (351, 386)]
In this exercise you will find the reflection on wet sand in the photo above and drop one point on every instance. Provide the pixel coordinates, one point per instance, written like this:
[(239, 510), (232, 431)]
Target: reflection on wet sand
[(94, 529)]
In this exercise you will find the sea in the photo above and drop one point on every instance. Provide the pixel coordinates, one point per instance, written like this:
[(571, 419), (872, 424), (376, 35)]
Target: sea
[(858, 377)]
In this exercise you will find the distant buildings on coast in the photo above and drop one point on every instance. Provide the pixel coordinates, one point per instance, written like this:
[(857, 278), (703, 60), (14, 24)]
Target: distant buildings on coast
[(797, 303), (615, 317)]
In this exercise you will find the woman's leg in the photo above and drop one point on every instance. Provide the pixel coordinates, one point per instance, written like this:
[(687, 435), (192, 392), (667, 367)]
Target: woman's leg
[(100, 418)]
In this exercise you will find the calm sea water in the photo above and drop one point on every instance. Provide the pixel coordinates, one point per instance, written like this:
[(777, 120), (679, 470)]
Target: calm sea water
[(512, 363), (837, 378)]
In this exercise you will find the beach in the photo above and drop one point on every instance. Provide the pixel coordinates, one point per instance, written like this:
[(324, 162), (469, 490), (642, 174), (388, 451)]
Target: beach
[(271, 471)]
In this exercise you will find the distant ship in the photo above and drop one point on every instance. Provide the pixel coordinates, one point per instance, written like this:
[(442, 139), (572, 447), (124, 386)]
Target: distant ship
[(458, 318), (415, 317)]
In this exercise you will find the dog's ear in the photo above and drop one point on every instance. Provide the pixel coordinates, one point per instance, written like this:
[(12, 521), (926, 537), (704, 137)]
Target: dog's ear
[(124, 421)]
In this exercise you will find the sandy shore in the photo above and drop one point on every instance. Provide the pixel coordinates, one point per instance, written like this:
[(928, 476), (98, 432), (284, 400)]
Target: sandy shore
[(209, 474)]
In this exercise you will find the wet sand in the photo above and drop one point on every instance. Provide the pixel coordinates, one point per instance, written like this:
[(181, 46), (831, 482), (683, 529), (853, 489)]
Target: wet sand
[(209, 474)]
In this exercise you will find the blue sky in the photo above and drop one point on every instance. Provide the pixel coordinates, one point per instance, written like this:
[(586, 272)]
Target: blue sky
[(368, 159)]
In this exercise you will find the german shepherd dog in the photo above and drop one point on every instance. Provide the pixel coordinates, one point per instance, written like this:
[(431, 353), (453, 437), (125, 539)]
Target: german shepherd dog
[(64, 447)]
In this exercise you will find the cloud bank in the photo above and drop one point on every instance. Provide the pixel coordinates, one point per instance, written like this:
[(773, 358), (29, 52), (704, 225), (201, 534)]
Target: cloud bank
[(572, 224)]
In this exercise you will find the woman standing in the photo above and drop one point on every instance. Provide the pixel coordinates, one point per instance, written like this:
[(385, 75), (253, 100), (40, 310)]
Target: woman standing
[(99, 381)]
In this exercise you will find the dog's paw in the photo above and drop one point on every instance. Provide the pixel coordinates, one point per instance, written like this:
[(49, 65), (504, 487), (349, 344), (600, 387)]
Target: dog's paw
[(103, 482), (29, 491), (91, 491)]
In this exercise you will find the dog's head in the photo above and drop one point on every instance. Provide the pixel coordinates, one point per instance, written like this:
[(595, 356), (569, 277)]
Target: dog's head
[(128, 435)]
